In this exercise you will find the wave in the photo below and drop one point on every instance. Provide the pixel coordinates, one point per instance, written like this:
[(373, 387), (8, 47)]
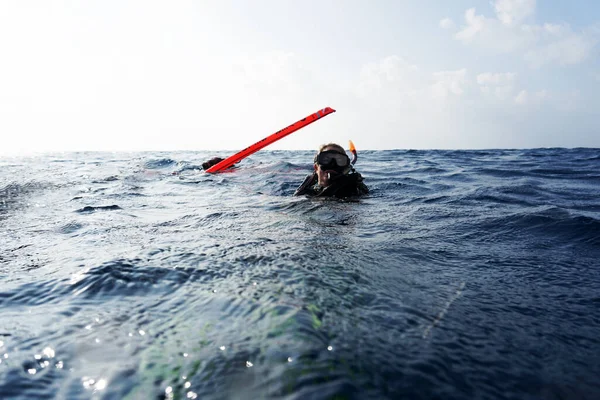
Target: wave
[(474, 264), (15, 196), (551, 223), (133, 277), (159, 163), (92, 209)]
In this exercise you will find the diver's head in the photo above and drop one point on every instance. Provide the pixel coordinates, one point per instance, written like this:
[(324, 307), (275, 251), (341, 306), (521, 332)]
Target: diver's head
[(330, 161), (213, 161)]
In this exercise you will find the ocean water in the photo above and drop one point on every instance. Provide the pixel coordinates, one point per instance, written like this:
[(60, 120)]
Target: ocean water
[(462, 275)]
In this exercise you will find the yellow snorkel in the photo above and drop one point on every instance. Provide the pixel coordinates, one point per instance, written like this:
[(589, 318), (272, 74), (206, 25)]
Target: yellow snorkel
[(353, 151)]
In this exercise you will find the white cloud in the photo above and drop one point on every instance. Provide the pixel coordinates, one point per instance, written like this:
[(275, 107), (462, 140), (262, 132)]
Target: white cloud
[(392, 73), (475, 25), (521, 97), (400, 85), (407, 105), (564, 47), (447, 23), (449, 83), (108, 76), (402, 94), (513, 11), (536, 98), (397, 80), (392, 68), (490, 78), (540, 44), (555, 29), (273, 72), (500, 85), (492, 35)]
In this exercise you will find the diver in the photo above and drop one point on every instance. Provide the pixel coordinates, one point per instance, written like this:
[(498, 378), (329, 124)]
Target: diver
[(334, 174), (213, 161)]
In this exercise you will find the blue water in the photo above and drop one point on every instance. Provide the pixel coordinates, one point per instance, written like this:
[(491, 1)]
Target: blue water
[(462, 275)]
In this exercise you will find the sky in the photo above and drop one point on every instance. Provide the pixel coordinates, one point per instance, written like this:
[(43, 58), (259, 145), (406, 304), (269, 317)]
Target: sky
[(123, 75)]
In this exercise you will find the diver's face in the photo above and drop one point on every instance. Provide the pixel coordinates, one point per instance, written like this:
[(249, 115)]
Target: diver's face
[(324, 175)]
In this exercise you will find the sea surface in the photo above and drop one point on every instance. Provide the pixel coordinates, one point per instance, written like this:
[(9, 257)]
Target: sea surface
[(462, 275)]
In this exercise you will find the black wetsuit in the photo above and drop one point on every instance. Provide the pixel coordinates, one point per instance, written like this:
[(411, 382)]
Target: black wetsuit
[(340, 186)]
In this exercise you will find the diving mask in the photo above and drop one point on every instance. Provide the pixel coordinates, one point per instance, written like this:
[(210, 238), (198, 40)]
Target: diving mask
[(332, 160)]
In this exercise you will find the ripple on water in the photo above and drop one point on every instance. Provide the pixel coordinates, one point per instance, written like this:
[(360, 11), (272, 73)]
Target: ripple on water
[(463, 274)]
